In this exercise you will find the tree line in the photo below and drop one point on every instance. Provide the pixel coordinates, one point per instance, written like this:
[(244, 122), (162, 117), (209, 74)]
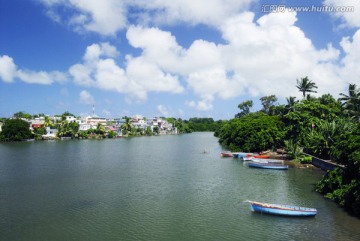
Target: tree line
[(322, 126)]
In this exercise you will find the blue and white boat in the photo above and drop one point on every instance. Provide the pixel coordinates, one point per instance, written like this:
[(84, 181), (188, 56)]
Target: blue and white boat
[(285, 210), (268, 165)]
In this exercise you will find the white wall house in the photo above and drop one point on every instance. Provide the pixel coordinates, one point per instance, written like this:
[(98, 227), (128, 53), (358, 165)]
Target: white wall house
[(38, 121), (70, 118), (140, 123), (50, 133), (95, 120), (85, 127)]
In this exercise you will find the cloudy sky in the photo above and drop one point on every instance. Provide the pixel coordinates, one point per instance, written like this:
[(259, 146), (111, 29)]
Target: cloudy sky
[(180, 58)]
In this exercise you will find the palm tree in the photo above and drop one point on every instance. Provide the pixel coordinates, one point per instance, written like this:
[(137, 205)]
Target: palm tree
[(291, 103), (48, 122), (352, 101), (305, 85), (127, 126)]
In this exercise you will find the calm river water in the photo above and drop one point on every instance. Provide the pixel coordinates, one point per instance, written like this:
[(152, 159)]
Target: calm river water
[(154, 188)]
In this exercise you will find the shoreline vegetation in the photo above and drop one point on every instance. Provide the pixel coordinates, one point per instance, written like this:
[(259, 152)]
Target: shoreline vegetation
[(324, 127)]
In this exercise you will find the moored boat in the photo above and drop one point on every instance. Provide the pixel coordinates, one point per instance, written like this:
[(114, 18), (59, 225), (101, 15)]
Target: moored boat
[(262, 156), (268, 165), (280, 209), (226, 154), (241, 154)]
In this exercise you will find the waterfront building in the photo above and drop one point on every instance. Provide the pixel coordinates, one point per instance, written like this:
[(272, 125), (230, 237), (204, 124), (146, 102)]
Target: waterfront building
[(95, 120), (50, 133)]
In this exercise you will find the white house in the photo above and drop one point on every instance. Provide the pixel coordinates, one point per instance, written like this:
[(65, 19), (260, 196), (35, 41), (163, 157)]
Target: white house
[(70, 118), (85, 127), (139, 122), (50, 133), (94, 120)]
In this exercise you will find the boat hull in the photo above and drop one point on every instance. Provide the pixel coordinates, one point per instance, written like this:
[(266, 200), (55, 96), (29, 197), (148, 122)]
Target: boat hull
[(284, 210), (262, 156), (268, 166), (226, 154)]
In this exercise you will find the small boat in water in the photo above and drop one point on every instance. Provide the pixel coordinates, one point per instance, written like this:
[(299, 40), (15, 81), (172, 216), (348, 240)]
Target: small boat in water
[(242, 154), (226, 154), (262, 156), (268, 165), (279, 209)]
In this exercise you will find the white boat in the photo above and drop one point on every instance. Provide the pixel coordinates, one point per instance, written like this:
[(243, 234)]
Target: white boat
[(259, 160)]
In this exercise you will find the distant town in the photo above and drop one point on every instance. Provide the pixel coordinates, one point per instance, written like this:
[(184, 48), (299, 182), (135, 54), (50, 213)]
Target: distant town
[(22, 126)]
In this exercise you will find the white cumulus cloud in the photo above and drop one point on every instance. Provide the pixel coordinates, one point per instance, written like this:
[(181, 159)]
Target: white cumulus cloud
[(99, 69), (7, 68), (257, 56), (107, 17), (346, 10), (9, 72)]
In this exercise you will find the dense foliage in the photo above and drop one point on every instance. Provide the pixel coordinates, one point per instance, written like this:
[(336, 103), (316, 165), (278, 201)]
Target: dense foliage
[(203, 124), (15, 130), (254, 132), (343, 185), (181, 125)]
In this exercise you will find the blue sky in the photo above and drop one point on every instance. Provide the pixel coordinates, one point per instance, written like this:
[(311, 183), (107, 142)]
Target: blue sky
[(179, 58)]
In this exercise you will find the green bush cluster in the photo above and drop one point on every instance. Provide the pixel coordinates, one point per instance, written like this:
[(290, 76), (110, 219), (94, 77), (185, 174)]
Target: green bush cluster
[(251, 133)]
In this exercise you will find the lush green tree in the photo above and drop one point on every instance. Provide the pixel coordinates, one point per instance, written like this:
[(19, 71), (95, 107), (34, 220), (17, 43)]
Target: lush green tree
[(38, 132), (291, 103), (48, 122), (23, 115), (245, 108), (156, 130), (322, 138), (182, 126), (268, 103), (100, 129), (308, 115), (148, 131), (294, 150), (254, 132), (66, 129), (111, 134), (15, 130), (305, 85), (127, 126), (202, 124)]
